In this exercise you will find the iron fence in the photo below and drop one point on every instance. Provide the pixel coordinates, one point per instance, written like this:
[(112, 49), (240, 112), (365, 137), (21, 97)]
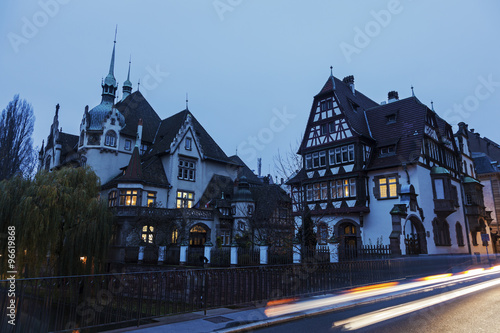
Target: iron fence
[(248, 257), (63, 304), (220, 257), (280, 255), (195, 256)]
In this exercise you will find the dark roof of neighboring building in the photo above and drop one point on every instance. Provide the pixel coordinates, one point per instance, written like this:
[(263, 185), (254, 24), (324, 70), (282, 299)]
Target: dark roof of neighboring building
[(483, 164), (484, 145), (406, 132), (297, 178), (169, 128), (214, 189), (267, 198), (244, 171), (136, 107)]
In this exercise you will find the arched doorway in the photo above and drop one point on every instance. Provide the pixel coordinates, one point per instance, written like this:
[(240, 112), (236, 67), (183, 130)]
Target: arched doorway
[(414, 235), (348, 235), (198, 235)]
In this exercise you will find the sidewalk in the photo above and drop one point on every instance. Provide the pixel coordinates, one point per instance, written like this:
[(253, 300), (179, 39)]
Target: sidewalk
[(242, 320)]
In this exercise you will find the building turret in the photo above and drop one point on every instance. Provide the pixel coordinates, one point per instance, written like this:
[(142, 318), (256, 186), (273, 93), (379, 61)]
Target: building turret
[(127, 85)]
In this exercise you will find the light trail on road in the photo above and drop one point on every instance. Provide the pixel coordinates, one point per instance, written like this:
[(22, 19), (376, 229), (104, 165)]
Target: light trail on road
[(378, 316), (275, 309)]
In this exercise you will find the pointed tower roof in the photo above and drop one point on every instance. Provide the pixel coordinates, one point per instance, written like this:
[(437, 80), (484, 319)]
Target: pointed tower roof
[(127, 82), (329, 84), (110, 78), (134, 168)]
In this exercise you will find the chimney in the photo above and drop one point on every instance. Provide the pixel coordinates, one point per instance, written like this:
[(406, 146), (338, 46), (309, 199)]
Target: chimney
[(259, 166), (392, 96), (349, 80), (139, 134)]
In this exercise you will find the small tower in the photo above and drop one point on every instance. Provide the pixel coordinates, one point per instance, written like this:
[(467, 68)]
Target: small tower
[(244, 207), (127, 85), (109, 85)]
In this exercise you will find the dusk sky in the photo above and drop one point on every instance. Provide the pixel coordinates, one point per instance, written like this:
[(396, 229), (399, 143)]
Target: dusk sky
[(251, 68)]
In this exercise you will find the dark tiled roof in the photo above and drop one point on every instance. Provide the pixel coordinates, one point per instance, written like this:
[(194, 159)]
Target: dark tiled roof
[(69, 144), (297, 178), (407, 131), (483, 165), (149, 172), (484, 145), (348, 101), (136, 107), (244, 171), (214, 189), (267, 198), (169, 128)]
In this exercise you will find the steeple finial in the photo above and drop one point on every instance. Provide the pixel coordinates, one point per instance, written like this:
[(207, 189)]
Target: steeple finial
[(138, 84), (112, 64), (432, 105), (127, 85), (412, 93), (187, 101), (332, 78)]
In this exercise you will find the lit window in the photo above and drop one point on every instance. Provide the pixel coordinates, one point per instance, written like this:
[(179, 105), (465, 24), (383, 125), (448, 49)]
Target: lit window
[(187, 170), (128, 144), (151, 199), (388, 187), (185, 199), (147, 234), (188, 144), (225, 237), (112, 199), (324, 190), (110, 139), (128, 197), (175, 236)]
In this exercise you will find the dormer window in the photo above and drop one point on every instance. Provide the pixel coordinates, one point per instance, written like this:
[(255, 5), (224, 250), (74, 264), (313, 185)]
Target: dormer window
[(391, 119), (188, 143), (388, 150), (110, 139)]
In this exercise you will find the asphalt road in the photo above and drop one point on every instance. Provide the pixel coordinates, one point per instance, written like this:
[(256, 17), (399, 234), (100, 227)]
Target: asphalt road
[(478, 311)]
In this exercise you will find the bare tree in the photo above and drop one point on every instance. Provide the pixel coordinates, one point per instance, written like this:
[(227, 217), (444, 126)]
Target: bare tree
[(16, 145)]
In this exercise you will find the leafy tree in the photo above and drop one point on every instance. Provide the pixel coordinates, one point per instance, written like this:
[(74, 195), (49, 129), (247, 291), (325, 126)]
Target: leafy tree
[(59, 218), (16, 145)]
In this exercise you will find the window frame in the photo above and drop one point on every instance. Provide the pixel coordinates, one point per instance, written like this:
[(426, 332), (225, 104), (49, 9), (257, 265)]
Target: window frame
[(184, 199), (186, 170), (386, 187), (127, 197), (148, 235), (110, 138)]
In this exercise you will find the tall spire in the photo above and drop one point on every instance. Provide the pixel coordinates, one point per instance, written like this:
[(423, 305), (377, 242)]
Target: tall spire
[(127, 85), (109, 87)]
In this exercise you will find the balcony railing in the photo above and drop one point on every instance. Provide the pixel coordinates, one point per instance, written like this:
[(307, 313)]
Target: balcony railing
[(191, 213), (444, 206)]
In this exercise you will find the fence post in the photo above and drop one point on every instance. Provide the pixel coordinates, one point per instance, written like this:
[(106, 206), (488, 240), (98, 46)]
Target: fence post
[(140, 257), (161, 254), (183, 255), (234, 253), (333, 245), (208, 252), (264, 253)]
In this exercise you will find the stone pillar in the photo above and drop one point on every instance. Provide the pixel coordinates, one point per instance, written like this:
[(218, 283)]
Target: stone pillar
[(398, 212), (183, 255), (161, 254), (263, 254), (140, 257), (208, 252), (234, 253), (333, 245)]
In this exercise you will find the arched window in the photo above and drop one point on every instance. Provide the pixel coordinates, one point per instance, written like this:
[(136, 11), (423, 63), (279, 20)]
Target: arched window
[(175, 236), (460, 235), (441, 232), (147, 234), (112, 196), (110, 139)]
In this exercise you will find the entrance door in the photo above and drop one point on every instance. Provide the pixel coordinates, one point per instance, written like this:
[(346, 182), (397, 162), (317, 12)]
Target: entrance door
[(415, 238), (350, 240), (197, 236)]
